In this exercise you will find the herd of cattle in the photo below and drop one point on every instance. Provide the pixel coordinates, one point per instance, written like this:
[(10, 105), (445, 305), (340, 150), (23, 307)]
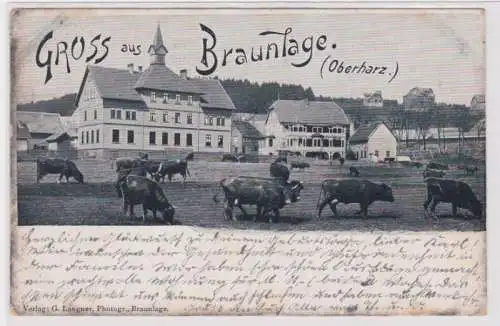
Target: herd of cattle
[(138, 183)]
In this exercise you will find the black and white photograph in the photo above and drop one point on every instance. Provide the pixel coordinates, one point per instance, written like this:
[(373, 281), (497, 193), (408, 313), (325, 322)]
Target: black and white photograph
[(247, 121)]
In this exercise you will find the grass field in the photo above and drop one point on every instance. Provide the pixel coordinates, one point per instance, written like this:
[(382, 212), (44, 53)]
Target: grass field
[(96, 202)]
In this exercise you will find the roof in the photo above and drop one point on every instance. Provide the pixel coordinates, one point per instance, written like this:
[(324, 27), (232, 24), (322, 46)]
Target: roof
[(58, 136), (247, 130), (158, 41), (40, 122), (160, 77), (23, 131), (309, 112), (363, 133), (214, 94)]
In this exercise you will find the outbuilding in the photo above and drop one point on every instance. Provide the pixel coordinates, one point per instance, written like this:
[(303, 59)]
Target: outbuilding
[(374, 142)]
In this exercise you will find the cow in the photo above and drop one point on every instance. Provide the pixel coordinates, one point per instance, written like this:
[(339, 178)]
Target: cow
[(300, 165), (353, 172), (350, 191), (437, 166), (141, 171), (458, 193), (233, 158), (170, 168), (268, 194), (280, 171), (138, 190), (59, 166), (431, 173), (128, 162), (471, 170)]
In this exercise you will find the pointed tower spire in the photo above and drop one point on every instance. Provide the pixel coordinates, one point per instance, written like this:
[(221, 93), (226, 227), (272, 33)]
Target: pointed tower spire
[(157, 50)]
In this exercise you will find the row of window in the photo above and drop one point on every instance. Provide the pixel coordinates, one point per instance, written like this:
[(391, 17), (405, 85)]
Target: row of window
[(330, 130), (90, 137), (219, 121), (314, 142), (362, 154), (164, 97), (164, 138), (177, 117)]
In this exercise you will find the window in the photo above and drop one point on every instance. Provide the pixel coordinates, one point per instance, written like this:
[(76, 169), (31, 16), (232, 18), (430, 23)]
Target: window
[(113, 114), (165, 97), (127, 115), (83, 136), (317, 142), (190, 99), (220, 141), (164, 138), (177, 139), (189, 119), (92, 137), (130, 136), (152, 116), (153, 96), (97, 136), (87, 137), (95, 114), (309, 142), (325, 142), (208, 141), (177, 99), (133, 116), (115, 136), (339, 130), (165, 117), (177, 117), (270, 142), (119, 114), (220, 121), (152, 138), (85, 115), (189, 140)]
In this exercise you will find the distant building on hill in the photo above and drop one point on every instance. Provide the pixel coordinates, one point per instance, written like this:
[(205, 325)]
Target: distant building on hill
[(478, 104), (419, 99), (373, 99)]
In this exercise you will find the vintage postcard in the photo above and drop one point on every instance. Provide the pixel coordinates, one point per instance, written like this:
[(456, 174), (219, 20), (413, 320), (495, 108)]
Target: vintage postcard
[(248, 161)]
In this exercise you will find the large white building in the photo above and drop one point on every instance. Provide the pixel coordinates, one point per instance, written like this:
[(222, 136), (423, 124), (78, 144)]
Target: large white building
[(151, 110), (308, 127)]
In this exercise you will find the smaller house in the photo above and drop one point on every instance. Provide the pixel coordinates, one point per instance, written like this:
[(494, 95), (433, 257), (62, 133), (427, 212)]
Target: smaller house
[(374, 142), (41, 125), (245, 138), (63, 143), (22, 136)]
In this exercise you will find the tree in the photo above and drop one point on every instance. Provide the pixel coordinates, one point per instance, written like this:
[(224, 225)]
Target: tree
[(464, 122)]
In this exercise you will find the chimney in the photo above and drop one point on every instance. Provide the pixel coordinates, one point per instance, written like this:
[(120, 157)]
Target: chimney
[(184, 73), (130, 68), (139, 68)]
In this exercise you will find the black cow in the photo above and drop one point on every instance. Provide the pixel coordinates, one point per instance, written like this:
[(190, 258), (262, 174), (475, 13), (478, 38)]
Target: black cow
[(350, 191), (171, 168), (141, 171), (430, 173), (437, 166), (138, 190), (458, 193), (128, 162), (62, 167), (353, 172), (471, 170), (280, 171), (266, 193), (300, 165)]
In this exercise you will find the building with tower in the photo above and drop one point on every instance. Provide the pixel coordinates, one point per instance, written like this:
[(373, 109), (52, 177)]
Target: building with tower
[(151, 110)]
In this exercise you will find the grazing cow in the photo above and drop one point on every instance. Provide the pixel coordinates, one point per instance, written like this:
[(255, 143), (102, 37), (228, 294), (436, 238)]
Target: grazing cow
[(430, 173), (266, 193), (171, 168), (458, 193), (59, 166), (138, 190), (300, 165), (471, 170), (280, 171), (233, 158), (349, 191), (141, 171), (128, 162), (353, 172)]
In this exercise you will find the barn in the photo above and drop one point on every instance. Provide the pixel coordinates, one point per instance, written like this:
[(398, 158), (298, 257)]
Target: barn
[(374, 142), (245, 138)]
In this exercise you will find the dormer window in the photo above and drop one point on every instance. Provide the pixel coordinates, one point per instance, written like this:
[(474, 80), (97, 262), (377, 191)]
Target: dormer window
[(177, 99), (153, 96)]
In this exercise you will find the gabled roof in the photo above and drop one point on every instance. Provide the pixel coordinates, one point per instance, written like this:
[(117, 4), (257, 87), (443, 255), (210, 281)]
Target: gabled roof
[(309, 112), (159, 77), (56, 137), (247, 130), (363, 133), (40, 122), (23, 131), (214, 94)]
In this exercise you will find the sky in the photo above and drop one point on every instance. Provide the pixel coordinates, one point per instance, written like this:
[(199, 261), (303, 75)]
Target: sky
[(439, 49)]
